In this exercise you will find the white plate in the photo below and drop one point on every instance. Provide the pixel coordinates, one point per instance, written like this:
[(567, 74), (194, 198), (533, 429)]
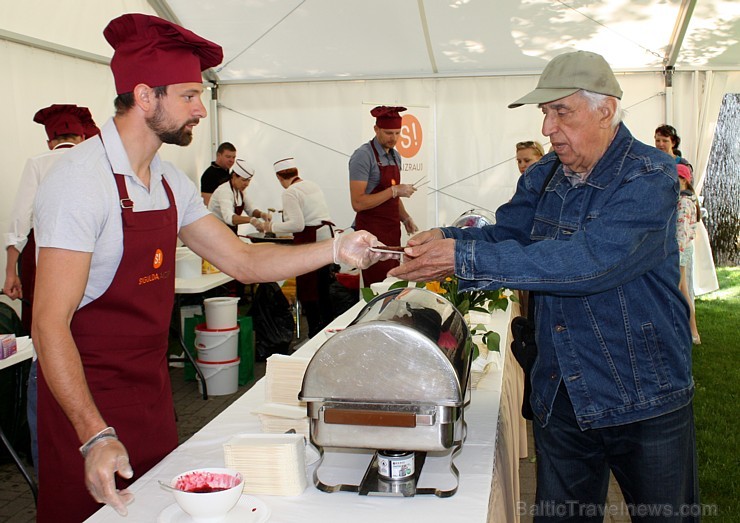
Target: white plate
[(247, 510)]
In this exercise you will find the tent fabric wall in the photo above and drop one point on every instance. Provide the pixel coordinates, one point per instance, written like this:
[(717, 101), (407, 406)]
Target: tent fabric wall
[(473, 161)]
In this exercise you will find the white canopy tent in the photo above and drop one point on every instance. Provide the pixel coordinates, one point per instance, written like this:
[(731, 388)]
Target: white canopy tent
[(299, 77)]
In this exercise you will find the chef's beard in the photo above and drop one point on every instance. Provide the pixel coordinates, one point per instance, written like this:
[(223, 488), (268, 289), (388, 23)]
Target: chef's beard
[(179, 136)]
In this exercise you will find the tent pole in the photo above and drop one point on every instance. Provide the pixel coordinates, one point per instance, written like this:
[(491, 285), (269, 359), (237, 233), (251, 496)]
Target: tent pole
[(213, 111)]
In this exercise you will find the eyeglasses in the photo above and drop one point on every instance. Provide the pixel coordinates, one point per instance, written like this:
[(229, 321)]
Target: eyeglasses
[(525, 145)]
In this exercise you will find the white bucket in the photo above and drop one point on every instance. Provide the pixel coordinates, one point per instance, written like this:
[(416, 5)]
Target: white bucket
[(220, 313), (216, 345), (221, 378)]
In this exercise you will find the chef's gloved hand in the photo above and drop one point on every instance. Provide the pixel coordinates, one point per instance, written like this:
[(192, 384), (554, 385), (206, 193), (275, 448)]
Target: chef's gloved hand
[(104, 459), (409, 225), (267, 226), (354, 249), (257, 223)]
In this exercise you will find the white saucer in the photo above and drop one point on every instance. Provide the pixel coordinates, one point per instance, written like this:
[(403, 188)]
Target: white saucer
[(247, 510)]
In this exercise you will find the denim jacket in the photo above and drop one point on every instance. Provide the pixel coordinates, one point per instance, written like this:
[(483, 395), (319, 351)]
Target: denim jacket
[(602, 258)]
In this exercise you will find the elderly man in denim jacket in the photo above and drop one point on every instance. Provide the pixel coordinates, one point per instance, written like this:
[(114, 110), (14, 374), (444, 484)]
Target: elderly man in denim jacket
[(592, 231)]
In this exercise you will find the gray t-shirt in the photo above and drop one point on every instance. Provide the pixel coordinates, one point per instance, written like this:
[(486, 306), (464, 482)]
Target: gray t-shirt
[(77, 206), (364, 168)]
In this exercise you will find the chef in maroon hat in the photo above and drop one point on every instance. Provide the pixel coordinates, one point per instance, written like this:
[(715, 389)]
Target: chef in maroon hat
[(64, 125), (376, 189), (108, 219)]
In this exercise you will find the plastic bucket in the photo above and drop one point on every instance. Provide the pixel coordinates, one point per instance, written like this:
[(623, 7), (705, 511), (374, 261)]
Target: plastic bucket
[(222, 378), (187, 264), (220, 313), (216, 345)]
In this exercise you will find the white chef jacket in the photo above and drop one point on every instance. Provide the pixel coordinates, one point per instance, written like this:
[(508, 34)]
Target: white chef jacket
[(303, 204), (21, 217), (223, 201)]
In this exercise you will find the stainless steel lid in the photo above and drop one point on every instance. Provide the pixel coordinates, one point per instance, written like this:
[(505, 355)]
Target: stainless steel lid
[(475, 218), (406, 346)]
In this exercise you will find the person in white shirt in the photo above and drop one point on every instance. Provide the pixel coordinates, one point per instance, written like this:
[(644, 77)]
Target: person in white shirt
[(66, 125), (306, 216), (229, 201)]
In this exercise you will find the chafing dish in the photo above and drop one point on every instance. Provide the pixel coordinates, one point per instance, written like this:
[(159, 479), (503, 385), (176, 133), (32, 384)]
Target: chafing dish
[(395, 378)]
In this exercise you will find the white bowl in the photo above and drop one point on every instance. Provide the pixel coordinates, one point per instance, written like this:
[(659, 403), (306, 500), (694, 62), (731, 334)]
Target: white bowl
[(196, 495)]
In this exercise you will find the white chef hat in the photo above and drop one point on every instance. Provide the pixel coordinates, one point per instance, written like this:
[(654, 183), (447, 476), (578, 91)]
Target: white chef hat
[(285, 164), (243, 169)]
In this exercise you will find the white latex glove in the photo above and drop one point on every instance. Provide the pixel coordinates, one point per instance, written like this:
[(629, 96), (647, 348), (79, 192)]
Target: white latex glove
[(257, 223), (267, 226), (403, 190), (104, 459), (354, 249), (410, 226)]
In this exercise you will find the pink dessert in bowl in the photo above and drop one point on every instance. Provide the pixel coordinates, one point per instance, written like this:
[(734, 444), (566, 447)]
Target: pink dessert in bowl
[(208, 494)]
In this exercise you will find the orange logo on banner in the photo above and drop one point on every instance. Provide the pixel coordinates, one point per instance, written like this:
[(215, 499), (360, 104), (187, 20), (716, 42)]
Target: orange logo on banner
[(411, 136), (158, 258)]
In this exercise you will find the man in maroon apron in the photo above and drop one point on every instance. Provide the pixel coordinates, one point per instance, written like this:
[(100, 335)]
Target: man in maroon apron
[(107, 221), (376, 189)]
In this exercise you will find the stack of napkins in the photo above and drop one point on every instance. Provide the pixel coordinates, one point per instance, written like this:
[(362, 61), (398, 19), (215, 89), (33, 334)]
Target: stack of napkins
[(269, 463), (284, 378), (278, 419)]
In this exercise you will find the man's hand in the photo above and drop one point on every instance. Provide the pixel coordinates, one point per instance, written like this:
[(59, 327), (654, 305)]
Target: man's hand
[(403, 190), (12, 288), (409, 225), (104, 459), (427, 260), (425, 236), (354, 249)]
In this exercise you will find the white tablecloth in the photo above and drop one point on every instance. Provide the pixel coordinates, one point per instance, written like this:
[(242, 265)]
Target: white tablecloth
[(482, 496)]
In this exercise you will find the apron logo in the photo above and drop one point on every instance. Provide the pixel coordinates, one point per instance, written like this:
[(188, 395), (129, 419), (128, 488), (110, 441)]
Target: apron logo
[(158, 259)]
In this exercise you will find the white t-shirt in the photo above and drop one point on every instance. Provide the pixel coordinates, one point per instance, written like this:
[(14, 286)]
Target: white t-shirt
[(21, 217), (222, 203), (303, 204), (77, 206)]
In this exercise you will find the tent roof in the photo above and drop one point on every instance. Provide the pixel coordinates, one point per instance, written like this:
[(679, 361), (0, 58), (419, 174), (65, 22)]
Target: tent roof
[(300, 40), (347, 39)]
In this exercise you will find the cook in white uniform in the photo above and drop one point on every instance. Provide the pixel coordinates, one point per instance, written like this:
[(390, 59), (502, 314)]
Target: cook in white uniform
[(229, 201)]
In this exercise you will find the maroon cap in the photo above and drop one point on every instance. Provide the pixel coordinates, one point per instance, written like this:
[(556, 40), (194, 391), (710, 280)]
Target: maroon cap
[(684, 172), (61, 119), (153, 51), (387, 117)]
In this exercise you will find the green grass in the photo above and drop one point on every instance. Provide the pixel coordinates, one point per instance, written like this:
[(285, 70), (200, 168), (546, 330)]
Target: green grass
[(717, 377)]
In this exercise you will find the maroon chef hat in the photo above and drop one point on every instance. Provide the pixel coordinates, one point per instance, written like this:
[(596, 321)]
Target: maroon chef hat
[(61, 119), (387, 117), (153, 51)]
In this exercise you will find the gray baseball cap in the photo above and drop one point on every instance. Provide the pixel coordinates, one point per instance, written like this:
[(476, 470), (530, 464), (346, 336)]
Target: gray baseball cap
[(569, 73)]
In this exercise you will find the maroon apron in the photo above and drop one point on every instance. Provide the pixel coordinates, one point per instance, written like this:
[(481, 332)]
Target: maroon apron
[(27, 273), (122, 339), (238, 210), (307, 285), (382, 221)]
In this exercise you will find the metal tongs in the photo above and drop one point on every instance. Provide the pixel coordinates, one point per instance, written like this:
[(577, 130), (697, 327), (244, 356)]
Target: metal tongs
[(417, 181)]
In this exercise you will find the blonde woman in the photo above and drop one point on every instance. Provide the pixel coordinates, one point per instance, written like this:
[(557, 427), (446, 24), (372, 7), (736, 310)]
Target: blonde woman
[(528, 153)]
